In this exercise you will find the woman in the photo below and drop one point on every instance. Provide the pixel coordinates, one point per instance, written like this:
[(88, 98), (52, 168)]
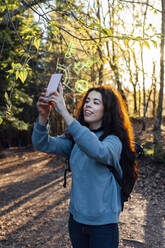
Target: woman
[(102, 135)]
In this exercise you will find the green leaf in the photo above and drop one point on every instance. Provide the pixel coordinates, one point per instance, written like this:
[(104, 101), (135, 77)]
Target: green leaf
[(94, 24), (23, 75), (6, 97), (22, 97), (146, 43), (17, 75), (4, 65), (20, 125), (10, 71), (36, 42), (16, 67), (1, 120), (155, 43), (59, 8), (107, 31)]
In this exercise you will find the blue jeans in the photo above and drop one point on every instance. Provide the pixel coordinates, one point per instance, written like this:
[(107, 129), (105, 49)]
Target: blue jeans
[(89, 236)]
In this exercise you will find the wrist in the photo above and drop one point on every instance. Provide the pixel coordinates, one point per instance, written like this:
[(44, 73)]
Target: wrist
[(42, 120), (64, 112), (67, 117)]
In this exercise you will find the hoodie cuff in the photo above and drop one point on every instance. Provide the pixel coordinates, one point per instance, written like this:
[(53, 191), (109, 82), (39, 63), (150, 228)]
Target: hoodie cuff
[(42, 127)]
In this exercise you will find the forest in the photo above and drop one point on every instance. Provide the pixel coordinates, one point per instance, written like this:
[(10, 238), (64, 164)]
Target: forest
[(91, 42), (120, 43)]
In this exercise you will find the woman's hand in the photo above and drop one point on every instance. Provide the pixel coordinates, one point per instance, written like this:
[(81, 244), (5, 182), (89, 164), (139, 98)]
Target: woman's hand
[(43, 107), (57, 101)]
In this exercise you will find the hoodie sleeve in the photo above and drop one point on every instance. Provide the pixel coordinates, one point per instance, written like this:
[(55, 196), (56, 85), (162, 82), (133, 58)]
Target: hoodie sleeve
[(42, 141), (107, 151)]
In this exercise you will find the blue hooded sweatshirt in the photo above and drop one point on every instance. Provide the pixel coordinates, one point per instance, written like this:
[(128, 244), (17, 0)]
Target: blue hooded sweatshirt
[(95, 194)]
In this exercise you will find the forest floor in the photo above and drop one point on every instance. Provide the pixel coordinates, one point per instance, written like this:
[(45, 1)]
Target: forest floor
[(34, 204)]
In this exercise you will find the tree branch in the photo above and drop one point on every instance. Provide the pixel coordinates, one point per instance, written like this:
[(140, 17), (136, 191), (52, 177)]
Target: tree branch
[(27, 5), (84, 39), (124, 37), (17, 11), (143, 3), (8, 13)]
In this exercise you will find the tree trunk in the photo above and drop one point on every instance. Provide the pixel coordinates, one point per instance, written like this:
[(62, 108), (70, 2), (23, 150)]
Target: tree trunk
[(154, 92), (112, 55), (135, 97), (100, 49), (144, 94), (144, 90), (136, 81), (158, 119), (149, 96), (139, 110)]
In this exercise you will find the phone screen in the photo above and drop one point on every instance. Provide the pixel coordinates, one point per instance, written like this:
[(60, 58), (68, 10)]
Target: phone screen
[(53, 83)]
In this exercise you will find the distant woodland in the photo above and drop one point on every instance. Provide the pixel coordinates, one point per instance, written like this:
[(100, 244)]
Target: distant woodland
[(96, 42)]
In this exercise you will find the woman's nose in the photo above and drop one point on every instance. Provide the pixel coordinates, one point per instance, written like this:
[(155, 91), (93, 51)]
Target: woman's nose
[(88, 104)]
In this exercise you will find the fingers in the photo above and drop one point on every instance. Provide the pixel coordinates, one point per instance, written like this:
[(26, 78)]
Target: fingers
[(53, 99), (43, 99), (60, 89), (41, 103), (46, 100)]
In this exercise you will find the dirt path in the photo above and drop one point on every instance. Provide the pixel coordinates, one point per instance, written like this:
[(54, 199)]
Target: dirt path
[(33, 203)]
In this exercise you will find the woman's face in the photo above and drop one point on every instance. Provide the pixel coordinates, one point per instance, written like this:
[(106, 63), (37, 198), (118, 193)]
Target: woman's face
[(93, 110)]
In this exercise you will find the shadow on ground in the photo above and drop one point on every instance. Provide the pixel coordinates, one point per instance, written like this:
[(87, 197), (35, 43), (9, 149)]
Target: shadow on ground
[(34, 204)]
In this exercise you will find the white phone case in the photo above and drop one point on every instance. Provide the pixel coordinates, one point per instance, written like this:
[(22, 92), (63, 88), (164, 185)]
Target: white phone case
[(53, 83)]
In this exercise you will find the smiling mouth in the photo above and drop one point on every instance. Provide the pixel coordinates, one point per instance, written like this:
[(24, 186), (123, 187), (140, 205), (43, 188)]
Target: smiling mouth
[(88, 112)]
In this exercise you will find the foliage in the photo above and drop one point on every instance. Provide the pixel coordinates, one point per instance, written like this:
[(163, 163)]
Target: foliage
[(16, 97), (77, 39)]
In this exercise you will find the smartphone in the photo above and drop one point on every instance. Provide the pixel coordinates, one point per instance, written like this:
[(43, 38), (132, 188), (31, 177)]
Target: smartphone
[(53, 83)]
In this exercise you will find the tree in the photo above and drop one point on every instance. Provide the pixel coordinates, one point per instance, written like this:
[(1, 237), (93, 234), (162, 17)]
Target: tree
[(16, 90), (78, 38), (158, 119)]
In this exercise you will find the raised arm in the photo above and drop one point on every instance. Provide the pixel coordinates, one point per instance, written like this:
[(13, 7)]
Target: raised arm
[(42, 141)]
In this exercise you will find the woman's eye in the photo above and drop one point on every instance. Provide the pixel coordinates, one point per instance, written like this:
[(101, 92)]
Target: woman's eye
[(96, 103)]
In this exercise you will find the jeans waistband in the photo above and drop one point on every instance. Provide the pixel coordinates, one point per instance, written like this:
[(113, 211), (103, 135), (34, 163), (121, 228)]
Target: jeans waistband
[(102, 225)]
